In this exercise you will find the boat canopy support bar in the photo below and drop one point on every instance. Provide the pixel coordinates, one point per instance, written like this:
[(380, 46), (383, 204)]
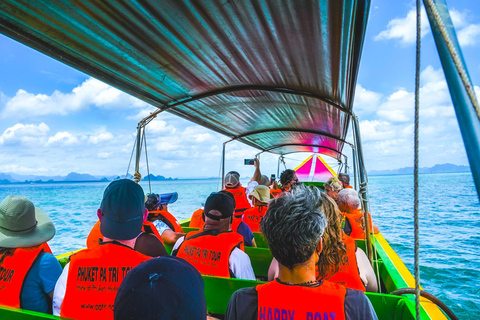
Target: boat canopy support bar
[(458, 81), (302, 144), (230, 89), (363, 190), (321, 133)]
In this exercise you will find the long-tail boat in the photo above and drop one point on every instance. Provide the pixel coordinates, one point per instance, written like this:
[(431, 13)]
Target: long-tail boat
[(276, 75)]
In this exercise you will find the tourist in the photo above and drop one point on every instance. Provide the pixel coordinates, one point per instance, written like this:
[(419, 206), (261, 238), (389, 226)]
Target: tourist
[(196, 221), (288, 180), (332, 187), (149, 242), (233, 185), (89, 282), (28, 269), (345, 180), (225, 248), (296, 290), (350, 206), (341, 261), (165, 223), (261, 197), (162, 288)]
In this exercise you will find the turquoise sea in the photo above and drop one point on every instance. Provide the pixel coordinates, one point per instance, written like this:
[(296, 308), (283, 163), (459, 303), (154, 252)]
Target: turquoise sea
[(449, 227)]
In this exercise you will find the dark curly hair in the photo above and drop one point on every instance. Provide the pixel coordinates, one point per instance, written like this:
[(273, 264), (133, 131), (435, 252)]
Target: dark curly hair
[(287, 176)]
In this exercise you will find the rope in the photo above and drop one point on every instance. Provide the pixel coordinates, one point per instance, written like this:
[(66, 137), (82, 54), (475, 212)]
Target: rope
[(415, 206), (146, 159), (131, 157), (453, 54), (428, 296)]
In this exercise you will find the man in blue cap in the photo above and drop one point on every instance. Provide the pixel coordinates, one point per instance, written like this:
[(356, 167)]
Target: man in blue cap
[(216, 250), (88, 285)]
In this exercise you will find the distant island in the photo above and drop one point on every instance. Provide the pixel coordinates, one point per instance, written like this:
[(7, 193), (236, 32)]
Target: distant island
[(438, 168), (13, 178)]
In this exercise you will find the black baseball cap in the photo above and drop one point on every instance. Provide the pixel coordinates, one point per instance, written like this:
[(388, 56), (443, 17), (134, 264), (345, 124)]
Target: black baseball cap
[(222, 201), (123, 208), (161, 288)]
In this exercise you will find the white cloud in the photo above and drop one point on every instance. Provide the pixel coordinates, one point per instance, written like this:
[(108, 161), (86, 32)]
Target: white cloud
[(63, 138), (469, 35), (398, 107), (388, 139), (104, 155), (169, 165), (91, 92), (404, 29), (366, 101), (373, 130), (101, 137), (24, 133)]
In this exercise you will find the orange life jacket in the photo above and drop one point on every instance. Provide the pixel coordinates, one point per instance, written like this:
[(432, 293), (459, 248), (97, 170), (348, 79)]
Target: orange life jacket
[(357, 222), (197, 219), (94, 276), (209, 251), (348, 274), (281, 301), (253, 216), (275, 192), (149, 227), (241, 201), (95, 234), (13, 273), (169, 219)]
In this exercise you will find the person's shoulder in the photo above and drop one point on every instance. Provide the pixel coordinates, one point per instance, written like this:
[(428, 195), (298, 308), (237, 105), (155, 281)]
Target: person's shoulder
[(243, 305), (357, 306), (47, 258)]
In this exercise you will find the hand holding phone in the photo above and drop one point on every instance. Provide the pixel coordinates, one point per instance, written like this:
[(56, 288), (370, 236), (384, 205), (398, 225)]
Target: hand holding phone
[(249, 162)]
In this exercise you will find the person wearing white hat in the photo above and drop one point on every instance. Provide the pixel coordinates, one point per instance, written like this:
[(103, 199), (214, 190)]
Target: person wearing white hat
[(260, 197), (28, 270)]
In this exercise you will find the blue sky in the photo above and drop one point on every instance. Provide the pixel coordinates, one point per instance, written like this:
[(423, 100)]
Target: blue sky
[(55, 119)]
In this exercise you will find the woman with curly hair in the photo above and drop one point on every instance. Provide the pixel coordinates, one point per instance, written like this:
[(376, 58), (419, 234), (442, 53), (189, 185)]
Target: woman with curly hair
[(341, 261)]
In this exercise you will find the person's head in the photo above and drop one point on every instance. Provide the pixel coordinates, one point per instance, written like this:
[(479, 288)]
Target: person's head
[(122, 211), (23, 225), (334, 248), (348, 200), (218, 211), (344, 178), (293, 226), (333, 187), (288, 179), (165, 287), (260, 195), (232, 180), (264, 180)]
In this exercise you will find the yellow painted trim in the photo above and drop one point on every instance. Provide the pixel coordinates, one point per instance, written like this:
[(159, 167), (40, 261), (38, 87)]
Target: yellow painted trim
[(430, 308), (305, 161), (328, 167)]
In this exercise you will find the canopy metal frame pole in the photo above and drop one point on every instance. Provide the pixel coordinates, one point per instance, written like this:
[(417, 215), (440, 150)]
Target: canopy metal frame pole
[(354, 158), (363, 190), (458, 80)]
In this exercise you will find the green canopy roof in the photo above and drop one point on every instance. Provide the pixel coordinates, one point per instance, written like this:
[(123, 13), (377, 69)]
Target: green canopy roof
[(276, 75)]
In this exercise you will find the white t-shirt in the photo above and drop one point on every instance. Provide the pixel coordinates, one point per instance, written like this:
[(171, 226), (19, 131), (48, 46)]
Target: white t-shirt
[(59, 291), (249, 189), (239, 262)]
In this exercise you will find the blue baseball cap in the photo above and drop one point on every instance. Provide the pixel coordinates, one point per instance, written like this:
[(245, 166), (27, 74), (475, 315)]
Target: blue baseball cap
[(123, 208), (166, 198), (161, 288)]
